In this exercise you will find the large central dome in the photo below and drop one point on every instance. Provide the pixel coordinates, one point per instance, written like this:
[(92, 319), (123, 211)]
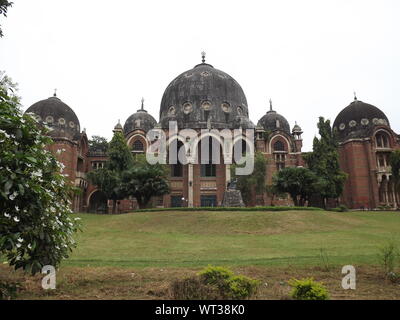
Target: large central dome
[(205, 97)]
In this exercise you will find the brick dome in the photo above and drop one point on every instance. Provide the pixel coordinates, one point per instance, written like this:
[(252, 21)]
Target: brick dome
[(58, 116), (358, 120)]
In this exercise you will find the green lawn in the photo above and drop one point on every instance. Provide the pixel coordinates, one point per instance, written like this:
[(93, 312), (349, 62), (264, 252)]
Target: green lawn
[(196, 239)]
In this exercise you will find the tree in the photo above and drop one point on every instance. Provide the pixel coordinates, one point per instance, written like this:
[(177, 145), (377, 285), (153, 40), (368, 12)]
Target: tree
[(98, 144), (120, 157), (253, 182), (324, 162), (394, 162), (300, 183), (109, 182), (109, 179), (35, 226), (145, 180), (4, 4)]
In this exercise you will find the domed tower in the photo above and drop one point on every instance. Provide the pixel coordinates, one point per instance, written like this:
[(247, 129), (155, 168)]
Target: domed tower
[(205, 100), (205, 95), (136, 127), (365, 143), (281, 147), (70, 144), (58, 116), (273, 121)]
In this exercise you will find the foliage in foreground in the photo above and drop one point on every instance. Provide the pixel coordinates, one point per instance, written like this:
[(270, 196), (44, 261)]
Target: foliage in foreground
[(35, 227), (214, 283), (308, 289), (388, 258), (4, 4)]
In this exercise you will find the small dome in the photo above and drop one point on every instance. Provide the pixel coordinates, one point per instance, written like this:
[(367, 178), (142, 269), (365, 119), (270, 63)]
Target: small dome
[(118, 126), (297, 129), (58, 116), (140, 120), (203, 97), (358, 120), (274, 121)]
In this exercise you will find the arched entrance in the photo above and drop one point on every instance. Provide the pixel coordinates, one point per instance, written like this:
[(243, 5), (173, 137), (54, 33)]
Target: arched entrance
[(98, 202)]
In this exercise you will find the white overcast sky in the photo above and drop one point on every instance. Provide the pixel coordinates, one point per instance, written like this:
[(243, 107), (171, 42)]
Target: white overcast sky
[(104, 56)]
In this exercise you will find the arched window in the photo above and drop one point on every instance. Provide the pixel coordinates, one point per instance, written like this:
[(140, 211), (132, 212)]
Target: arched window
[(279, 146), (138, 146), (176, 165), (208, 167), (382, 140)]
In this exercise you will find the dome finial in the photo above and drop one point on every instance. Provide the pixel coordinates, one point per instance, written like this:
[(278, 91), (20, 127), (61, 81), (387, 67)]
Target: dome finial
[(142, 108), (55, 93), (203, 57), (270, 104), (355, 96)]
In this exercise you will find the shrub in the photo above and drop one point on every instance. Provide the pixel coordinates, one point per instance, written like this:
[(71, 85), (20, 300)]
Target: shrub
[(193, 289), (387, 257), (241, 287), (308, 289), (341, 208), (214, 283), (215, 275), (8, 290), (324, 258)]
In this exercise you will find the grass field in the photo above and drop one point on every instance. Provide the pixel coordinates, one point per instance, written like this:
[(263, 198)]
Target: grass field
[(195, 239), (137, 255)]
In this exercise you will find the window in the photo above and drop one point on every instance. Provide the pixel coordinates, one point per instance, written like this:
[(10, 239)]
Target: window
[(97, 165), (279, 146), (208, 169), (280, 161), (138, 146), (176, 201), (176, 170), (382, 140), (208, 201), (176, 165)]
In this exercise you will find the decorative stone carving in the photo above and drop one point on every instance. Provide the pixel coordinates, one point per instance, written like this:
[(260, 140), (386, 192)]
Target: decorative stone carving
[(226, 107), (187, 108), (206, 105)]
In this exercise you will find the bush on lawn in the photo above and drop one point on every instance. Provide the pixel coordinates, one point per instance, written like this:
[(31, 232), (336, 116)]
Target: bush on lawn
[(308, 289), (214, 283)]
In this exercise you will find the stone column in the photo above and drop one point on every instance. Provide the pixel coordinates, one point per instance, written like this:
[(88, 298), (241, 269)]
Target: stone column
[(227, 174), (190, 185)]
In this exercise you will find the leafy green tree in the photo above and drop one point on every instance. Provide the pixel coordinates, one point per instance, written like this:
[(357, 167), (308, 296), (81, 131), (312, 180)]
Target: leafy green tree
[(4, 4), (145, 180), (109, 182), (394, 162), (120, 157), (300, 183), (109, 179), (98, 144), (255, 182), (324, 162), (35, 226)]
